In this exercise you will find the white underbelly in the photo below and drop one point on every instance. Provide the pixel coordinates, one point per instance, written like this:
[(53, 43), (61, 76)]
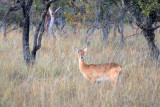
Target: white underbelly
[(102, 79)]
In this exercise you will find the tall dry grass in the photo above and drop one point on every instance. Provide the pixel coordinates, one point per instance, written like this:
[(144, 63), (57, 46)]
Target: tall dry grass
[(55, 79)]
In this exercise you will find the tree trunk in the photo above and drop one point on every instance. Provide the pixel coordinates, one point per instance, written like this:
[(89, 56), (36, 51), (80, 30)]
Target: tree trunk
[(26, 7), (46, 22), (145, 23), (37, 36), (114, 29), (5, 31), (35, 46), (51, 22), (25, 39), (150, 37), (62, 19), (62, 22), (5, 18), (122, 24), (116, 26), (122, 30), (105, 33)]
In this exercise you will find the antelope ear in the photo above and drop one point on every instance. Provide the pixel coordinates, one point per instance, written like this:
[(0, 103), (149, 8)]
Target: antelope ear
[(77, 50), (85, 49)]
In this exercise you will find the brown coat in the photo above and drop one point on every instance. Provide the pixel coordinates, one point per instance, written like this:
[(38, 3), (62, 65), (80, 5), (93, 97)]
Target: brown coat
[(98, 72)]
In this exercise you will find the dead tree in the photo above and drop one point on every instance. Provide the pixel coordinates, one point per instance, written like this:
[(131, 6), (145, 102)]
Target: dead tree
[(122, 22), (52, 15)]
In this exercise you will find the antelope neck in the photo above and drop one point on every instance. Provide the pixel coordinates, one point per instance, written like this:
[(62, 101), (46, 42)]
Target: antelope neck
[(81, 64), (81, 61)]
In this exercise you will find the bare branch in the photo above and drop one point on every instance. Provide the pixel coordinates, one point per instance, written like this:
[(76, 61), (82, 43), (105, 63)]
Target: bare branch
[(89, 42), (12, 8), (14, 28), (40, 36), (132, 35), (156, 28), (56, 10), (87, 34), (105, 3)]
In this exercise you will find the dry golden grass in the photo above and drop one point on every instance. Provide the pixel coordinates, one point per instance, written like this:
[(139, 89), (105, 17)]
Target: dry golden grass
[(55, 79)]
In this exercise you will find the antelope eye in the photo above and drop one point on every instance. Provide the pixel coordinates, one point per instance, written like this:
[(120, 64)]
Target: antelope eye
[(78, 52), (83, 52)]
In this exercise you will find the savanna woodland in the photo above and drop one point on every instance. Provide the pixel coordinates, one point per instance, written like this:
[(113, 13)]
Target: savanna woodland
[(38, 59)]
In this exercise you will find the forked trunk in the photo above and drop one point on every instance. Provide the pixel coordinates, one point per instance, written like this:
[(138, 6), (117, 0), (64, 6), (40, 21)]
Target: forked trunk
[(38, 36)]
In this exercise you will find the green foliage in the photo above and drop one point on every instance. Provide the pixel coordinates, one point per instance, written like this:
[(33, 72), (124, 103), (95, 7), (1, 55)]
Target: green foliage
[(79, 18), (86, 17), (148, 6), (38, 5)]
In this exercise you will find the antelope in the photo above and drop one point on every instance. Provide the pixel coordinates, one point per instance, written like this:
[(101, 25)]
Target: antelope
[(98, 72)]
